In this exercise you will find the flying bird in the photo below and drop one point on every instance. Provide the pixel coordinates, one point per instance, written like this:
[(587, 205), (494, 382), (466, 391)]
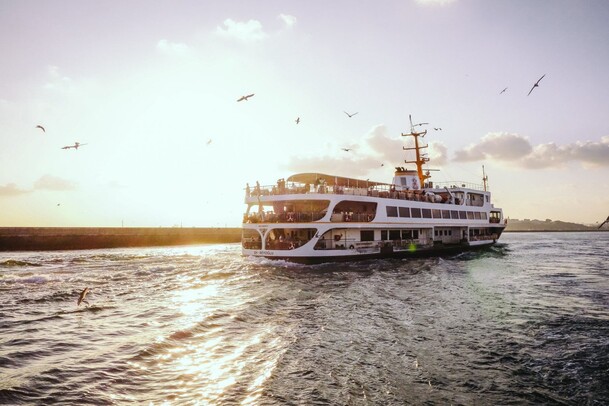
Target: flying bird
[(42, 128), (83, 295), (75, 146), (245, 97), (503, 90), (536, 84), (209, 142), (346, 149), (298, 120), (604, 222), (437, 128), (350, 115)]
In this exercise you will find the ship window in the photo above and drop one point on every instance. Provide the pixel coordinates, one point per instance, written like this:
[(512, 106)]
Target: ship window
[(288, 238), (454, 214), (470, 215), (415, 233), (483, 214), (404, 211), (445, 214), (416, 213), (406, 234), (437, 214), (462, 215), (394, 234), (426, 213), (356, 211), (251, 240), (366, 235), (392, 211), (383, 235), (477, 215)]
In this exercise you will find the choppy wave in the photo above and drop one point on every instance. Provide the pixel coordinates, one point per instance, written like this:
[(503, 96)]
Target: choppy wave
[(524, 322), (9, 263)]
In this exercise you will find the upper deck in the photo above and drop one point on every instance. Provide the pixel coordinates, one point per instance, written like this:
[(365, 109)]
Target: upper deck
[(364, 201), (434, 193)]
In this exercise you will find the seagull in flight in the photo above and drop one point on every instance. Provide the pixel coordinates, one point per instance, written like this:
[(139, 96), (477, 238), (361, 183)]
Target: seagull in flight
[(209, 142), (81, 298), (75, 146), (536, 84), (604, 222), (437, 128), (245, 97), (350, 115), (298, 120), (346, 149), (42, 128), (503, 90)]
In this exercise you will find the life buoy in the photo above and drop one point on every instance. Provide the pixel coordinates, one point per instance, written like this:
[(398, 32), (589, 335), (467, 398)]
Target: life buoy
[(291, 246), (337, 237), (347, 217), (290, 217), (351, 247), (370, 217)]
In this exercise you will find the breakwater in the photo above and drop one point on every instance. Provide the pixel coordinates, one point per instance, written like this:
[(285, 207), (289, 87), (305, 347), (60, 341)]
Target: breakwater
[(75, 238)]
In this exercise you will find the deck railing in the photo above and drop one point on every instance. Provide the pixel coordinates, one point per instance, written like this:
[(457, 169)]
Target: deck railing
[(361, 189)]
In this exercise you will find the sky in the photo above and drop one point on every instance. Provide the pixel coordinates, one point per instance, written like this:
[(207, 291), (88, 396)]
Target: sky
[(151, 88)]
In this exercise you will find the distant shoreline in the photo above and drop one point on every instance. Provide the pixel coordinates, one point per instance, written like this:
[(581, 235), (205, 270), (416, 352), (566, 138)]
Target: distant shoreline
[(82, 238)]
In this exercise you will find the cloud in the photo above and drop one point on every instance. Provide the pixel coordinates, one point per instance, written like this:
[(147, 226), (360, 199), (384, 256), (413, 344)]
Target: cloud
[(56, 80), (499, 146), (438, 153), (388, 149), (172, 48), (11, 189), (349, 166), (375, 148), (288, 20), (435, 2), (48, 182), (517, 150), (250, 31)]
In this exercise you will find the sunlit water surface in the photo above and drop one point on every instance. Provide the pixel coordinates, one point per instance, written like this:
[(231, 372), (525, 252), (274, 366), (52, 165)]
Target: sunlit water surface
[(526, 321)]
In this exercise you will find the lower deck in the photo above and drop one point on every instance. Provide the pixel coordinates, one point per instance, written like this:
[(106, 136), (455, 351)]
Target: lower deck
[(346, 243)]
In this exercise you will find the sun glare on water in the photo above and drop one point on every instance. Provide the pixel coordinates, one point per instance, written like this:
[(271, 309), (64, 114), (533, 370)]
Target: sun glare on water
[(208, 357)]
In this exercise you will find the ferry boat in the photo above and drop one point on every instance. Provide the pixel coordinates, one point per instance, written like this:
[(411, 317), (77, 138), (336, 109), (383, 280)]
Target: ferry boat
[(316, 217)]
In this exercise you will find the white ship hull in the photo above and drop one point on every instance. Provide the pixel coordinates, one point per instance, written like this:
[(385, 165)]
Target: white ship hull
[(386, 226)]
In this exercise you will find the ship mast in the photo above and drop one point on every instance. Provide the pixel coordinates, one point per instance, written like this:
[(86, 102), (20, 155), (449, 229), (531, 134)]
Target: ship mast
[(484, 178), (420, 159)]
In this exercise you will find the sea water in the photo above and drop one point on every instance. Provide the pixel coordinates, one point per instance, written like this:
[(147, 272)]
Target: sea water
[(526, 321)]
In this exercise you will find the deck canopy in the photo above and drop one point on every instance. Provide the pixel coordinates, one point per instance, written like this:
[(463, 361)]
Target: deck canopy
[(331, 180)]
